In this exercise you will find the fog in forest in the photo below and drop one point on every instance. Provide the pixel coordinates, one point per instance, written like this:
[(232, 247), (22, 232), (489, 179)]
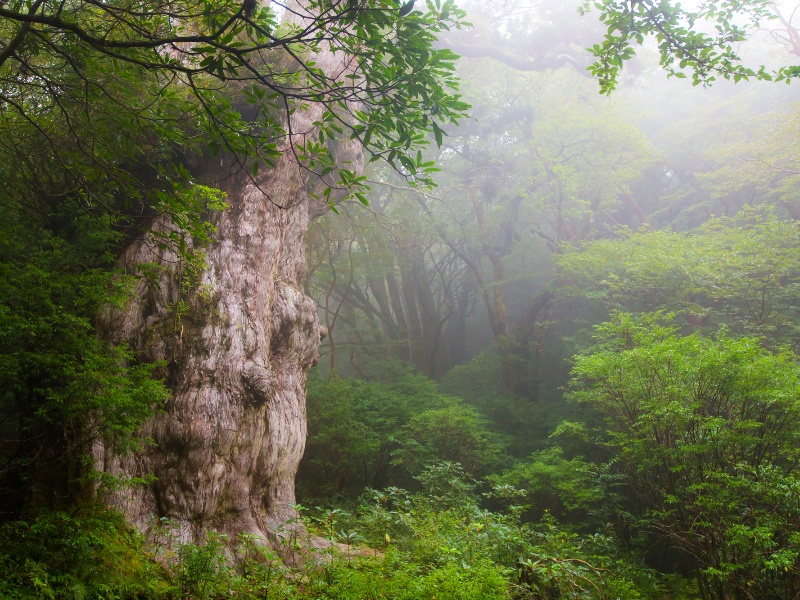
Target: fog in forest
[(543, 166), (425, 299), (463, 319)]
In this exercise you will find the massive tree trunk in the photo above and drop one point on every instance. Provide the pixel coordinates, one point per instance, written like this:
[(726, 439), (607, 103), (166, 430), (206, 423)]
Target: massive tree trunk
[(237, 336), (237, 343)]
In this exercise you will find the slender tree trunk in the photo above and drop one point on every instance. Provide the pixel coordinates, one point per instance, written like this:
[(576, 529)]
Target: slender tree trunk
[(399, 315), (412, 310), (457, 328), (426, 355), (527, 355)]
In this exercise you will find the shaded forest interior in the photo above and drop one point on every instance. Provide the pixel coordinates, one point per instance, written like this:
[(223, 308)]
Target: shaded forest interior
[(560, 329)]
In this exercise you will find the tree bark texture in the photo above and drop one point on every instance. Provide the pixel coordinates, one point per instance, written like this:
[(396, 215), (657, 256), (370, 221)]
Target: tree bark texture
[(237, 336)]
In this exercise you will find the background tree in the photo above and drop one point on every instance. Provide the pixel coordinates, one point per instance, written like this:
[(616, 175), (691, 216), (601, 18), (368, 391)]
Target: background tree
[(738, 272), (513, 187), (374, 434), (703, 431)]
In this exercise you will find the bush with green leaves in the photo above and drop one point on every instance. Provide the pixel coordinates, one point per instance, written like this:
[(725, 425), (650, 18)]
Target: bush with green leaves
[(91, 555), (524, 424), (395, 576), (549, 482), (704, 432), (444, 529), (373, 434), (740, 272)]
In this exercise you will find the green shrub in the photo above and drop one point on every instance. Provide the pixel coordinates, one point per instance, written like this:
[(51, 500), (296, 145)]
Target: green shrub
[(703, 432), (457, 547), (95, 555), (375, 434)]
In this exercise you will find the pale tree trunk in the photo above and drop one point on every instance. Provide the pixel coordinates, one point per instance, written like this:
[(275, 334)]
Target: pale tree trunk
[(237, 339)]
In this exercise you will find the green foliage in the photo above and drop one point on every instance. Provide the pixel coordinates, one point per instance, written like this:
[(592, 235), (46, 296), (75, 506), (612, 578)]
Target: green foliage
[(704, 431), (741, 272), (177, 78), (437, 542), (563, 564), (394, 577), (95, 555), (570, 489), (524, 424), (682, 42), (203, 571), (365, 433), (443, 529), (477, 381), (61, 387), (455, 433)]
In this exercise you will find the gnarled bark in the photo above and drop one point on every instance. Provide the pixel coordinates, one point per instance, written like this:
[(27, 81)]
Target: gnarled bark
[(228, 443), (237, 341)]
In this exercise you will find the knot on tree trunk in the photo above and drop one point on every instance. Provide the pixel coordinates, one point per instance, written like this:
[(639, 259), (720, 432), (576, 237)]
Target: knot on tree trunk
[(259, 382)]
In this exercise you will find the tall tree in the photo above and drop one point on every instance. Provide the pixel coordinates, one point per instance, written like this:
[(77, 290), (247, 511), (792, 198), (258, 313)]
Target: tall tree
[(130, 108)]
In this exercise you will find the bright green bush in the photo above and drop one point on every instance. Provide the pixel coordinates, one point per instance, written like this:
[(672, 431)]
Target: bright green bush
[(551, 483), (444, 534), (394, 577), (704, 433)]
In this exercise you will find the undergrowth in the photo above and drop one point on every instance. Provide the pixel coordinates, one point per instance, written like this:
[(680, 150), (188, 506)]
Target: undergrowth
[(437, 543)]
